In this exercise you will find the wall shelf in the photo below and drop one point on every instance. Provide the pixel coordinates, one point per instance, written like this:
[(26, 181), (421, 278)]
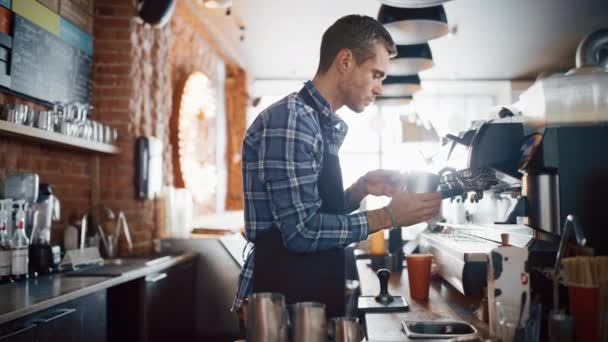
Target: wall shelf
[(36, 134)]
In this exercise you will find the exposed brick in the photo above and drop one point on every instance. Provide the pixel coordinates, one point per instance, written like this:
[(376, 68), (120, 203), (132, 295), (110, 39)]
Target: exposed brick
[(114, 23), (136, 69), (110, 80), (109, 10), (102, 105), (113, 57), (111, 46), (114, 3), (114, 69)]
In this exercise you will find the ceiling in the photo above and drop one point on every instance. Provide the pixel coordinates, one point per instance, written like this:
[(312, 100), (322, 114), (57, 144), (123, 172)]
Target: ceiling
[(489, 39)]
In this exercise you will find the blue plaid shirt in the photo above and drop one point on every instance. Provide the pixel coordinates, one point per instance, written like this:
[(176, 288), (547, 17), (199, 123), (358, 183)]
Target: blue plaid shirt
[(282, 159)]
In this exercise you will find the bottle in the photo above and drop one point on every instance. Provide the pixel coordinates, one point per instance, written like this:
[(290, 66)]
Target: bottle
[(19, 244), (5, 247)]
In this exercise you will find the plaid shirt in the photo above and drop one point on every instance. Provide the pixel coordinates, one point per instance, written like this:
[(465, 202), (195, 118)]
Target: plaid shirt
[(282, 160)]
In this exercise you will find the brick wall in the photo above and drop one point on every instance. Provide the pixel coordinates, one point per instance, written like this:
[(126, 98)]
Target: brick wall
[(135, 72), (160, 60)]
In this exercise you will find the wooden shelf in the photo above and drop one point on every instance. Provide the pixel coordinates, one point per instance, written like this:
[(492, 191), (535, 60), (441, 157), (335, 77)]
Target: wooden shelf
[(40, 135)]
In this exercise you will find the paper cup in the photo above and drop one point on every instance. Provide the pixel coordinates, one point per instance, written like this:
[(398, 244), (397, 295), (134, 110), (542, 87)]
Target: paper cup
[(419, 275)]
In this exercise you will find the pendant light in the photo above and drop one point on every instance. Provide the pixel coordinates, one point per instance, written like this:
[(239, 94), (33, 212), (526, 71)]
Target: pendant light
[(393, 100), (413, 3), (400, 85), (410, 60), (413, 25), (217, 3)]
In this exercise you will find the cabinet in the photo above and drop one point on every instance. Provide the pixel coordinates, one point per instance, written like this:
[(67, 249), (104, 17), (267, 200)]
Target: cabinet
[(18, 332), (80, 319), (170, 304), (158, 307)]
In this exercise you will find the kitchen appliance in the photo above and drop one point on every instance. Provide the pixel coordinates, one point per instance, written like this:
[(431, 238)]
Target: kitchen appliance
[(149, 167), (512, 175), (21, 186), (49, 210), (44, 257), (508, 283)]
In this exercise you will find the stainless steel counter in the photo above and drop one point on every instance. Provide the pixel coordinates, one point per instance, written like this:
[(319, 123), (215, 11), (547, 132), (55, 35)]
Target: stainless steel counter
[(25, 297)]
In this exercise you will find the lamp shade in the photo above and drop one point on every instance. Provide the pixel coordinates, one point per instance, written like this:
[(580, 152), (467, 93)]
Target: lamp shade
[(393, 100), (413, 25), (413, 3), (155, 12), (217, 3), (400, 85), (410, 60)]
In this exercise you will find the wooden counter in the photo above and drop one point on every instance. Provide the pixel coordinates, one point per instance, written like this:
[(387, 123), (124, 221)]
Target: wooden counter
[(445, 303)]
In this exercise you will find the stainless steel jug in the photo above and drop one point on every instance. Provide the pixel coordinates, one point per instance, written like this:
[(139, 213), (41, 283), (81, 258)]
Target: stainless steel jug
[(309, 322), (346, 329), (267, 319)]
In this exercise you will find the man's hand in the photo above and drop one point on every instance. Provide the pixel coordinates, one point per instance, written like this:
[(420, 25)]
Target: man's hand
[(383, 182), (407, 208), (410, 209)]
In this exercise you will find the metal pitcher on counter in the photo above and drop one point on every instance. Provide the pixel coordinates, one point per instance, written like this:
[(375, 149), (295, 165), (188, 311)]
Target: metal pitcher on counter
[(309, 322), (267, 319), (345, 329)]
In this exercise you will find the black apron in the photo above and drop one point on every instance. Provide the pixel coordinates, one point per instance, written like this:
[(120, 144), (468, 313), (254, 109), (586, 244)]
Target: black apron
[(305, 277)]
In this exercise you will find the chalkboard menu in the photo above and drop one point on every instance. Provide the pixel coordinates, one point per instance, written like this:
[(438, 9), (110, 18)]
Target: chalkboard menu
[(45, 67)]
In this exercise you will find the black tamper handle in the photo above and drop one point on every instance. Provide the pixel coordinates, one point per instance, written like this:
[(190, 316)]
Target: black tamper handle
[(383, 297)]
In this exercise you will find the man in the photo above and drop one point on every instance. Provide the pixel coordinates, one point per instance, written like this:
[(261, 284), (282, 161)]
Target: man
[(296, 211)]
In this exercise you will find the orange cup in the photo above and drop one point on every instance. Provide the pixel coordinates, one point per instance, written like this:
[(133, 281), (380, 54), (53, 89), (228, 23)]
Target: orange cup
[(584, 306), (376, 243), (419, 275)]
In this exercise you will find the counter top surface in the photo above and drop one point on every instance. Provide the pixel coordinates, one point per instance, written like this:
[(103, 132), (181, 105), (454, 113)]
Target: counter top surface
[(25, 297), (445, 303)]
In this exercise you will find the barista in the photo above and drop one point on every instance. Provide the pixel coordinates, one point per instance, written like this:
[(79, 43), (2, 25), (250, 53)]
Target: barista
[(296, 212)]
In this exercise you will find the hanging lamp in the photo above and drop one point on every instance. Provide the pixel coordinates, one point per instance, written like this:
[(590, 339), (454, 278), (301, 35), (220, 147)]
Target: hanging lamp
[(400, 85), (413, 3), (393, 100), (413, 25), (410, 60)]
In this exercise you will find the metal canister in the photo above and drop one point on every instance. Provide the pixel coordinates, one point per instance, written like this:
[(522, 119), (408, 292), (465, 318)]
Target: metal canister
[(542, 193), (309, 322), (346, 329), (267, 318)]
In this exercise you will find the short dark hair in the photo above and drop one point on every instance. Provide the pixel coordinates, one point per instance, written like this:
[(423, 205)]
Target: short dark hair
[(359, 34)]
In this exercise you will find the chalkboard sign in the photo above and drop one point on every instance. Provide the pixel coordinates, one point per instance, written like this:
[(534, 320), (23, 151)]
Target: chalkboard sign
[(45, 67)]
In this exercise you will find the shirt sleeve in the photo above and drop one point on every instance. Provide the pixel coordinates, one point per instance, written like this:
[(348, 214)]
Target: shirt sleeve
[(291, 151), (350, 207)]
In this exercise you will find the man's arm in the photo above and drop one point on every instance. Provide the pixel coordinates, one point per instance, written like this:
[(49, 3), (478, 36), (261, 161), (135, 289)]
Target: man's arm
[(355, 194)]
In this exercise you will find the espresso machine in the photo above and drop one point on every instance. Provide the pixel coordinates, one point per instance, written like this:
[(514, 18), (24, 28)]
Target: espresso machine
[(517, 176)]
